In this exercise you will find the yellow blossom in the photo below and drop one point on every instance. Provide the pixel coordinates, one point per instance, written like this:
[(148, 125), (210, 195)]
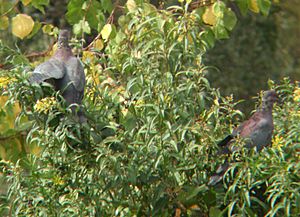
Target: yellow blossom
[(4, 81), (88, 56), (91, 92), (140, 102), (297, 94), (277, 142), (45, 105), (58, 180)]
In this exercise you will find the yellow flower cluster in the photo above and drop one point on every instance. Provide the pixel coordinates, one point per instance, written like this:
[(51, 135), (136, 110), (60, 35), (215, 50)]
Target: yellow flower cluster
[(277, 142), (297, 94), (4, 81), (58, 180), (45, 105)]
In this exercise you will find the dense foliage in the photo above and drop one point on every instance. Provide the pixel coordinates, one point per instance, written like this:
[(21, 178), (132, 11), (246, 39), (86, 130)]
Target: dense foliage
[(149, 145)]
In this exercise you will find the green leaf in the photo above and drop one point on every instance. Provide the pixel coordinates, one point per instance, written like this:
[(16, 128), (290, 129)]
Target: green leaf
[(40, 4), (194, 191), (130, 122), (90, 10), (36, 28), (25, 126), (264, 6), (5, 6), (208, 38), (107, 5), (48, 28), (220, 32), (94, 14), (229, 19), (243, 6), (214, 212), (4, 22), (218, 9), (82, 27), (75, 12)]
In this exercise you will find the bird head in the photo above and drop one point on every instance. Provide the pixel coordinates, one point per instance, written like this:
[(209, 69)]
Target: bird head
[(269, 98), (63, 38)]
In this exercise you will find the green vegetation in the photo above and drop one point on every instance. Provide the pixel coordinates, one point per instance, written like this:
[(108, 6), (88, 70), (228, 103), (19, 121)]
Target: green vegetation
[(149, 145)]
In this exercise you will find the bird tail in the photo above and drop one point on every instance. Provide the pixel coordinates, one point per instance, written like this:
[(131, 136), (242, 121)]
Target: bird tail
[(218, 176), (81, 116), (225, 141)]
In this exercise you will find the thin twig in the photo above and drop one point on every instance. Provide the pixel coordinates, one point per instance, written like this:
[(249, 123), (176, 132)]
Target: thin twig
[(9, 10), (109, 20), (40, 54)]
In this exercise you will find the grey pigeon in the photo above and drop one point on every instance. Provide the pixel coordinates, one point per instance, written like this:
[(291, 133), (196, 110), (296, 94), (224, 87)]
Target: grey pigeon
[(64, 70), (257, 132)]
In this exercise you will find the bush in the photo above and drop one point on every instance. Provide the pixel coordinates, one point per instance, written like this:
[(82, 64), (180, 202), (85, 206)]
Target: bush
[(149, 145)]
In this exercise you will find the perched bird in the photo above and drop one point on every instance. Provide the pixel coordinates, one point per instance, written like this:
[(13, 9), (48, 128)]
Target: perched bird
[(257, 132), (64, 70)]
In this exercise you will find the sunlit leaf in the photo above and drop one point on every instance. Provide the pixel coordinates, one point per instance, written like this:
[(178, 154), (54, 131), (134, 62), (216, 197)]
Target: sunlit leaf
[(22, 25), (26, 2), (48, 28), (209, 17), (131, 5), (254, 6), (218, 9), (105, 32), (98, 44), (81, 27)]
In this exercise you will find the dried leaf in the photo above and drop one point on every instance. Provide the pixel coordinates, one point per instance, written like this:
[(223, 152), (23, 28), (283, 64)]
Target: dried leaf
[(209, 17), (98, 44)]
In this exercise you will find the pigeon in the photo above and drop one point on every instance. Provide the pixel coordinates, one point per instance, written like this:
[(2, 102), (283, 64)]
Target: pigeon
[(257, 132), (64, 70)]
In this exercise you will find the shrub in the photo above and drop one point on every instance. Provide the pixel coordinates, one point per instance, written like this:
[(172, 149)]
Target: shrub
[(149, 145)]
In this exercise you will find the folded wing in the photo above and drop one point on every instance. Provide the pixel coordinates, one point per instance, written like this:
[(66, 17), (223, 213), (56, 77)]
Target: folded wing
[(51, 69)]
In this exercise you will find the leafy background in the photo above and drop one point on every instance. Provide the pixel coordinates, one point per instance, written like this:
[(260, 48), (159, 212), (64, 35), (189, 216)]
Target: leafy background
[(164, 83)]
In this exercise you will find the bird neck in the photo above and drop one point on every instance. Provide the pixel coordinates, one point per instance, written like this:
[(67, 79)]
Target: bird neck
[(63, 53), (266, 106), (63, 45)]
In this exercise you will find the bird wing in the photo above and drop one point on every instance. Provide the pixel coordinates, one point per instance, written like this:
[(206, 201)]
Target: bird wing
[(76, 74), (53, 68), (249, 126), (244, 130)]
